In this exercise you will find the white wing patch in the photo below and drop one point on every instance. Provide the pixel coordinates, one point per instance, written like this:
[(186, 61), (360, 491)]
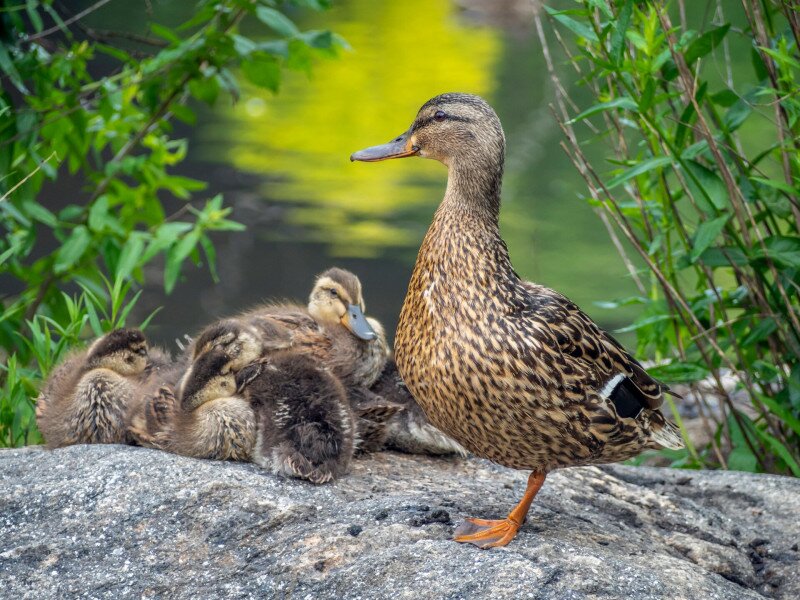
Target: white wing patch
[(611, 385)]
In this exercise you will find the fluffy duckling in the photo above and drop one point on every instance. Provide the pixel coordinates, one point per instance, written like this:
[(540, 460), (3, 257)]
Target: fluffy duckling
[(152, 409), (305, 425), (207, 418), (332, 328), (512, 370), (86, 399), (373, 413)]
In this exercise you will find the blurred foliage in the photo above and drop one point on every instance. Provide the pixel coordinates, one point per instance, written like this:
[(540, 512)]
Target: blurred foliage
[(60, 119), (405, 52), (710, 210)]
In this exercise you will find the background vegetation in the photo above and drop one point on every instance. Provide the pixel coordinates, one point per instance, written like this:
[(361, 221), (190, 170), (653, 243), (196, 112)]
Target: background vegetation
[(99, 106), (681, 116), (711, 221)]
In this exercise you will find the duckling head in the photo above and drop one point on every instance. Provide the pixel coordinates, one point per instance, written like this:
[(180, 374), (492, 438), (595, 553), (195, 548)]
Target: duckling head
[(123, 351), (336, 300), (210, 377), (237, 340), (452, 128)]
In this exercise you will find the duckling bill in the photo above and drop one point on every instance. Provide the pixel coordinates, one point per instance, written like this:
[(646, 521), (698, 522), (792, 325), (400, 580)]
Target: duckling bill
[(513, 371)]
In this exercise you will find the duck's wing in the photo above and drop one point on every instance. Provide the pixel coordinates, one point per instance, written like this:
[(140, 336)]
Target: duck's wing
[(592, 358)]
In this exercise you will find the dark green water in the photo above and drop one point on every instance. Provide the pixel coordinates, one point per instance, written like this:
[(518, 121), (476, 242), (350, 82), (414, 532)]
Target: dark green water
[(282, 162)]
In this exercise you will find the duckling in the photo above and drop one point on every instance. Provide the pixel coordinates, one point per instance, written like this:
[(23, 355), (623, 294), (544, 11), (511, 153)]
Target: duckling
[(407, 429), (152, 410), (512, 370), (86, 398), (373, 413), (305, 425), (208, 418), (332, 328)]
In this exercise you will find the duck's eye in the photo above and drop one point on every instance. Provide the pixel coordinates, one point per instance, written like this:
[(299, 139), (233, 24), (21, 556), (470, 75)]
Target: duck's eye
[(334, 293), (440, 115), (223, 383)]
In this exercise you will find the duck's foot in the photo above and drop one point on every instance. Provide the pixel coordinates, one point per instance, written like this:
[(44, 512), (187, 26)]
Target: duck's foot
[(486, 534)]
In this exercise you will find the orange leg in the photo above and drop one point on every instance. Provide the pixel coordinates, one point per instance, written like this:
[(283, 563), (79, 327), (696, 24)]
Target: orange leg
[(485, 533)]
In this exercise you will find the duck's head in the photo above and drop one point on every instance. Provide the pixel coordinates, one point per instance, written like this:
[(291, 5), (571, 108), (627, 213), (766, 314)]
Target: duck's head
[(336, 300), (211, 377), (123, 351), (452, 128)]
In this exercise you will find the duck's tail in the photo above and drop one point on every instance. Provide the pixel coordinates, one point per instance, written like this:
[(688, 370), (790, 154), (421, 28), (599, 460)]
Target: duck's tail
[(664, 433)]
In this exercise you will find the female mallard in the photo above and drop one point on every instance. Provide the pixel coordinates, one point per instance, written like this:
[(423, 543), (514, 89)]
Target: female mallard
[(514, 371)]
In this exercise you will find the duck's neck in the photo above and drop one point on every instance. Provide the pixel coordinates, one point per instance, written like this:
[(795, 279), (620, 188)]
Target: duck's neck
[(473, 190)]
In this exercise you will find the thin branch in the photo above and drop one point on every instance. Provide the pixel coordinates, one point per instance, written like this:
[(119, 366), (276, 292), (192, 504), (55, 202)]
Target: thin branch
[(88, 10)]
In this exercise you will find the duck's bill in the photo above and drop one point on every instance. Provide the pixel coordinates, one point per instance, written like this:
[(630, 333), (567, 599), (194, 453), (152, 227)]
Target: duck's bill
[(397, 148), (357, 323)]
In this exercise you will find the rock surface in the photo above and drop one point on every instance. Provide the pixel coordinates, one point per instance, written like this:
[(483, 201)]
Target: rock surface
[(122, 522)]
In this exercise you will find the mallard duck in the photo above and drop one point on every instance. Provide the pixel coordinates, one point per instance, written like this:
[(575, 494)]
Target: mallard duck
[(407, 429), (332, 328), (305, 425), (86, 398), (512, 370)]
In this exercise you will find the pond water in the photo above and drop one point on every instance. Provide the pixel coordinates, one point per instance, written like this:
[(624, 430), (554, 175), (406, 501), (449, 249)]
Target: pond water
[(282, 162)]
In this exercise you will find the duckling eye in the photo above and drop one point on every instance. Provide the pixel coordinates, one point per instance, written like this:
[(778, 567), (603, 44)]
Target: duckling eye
[(334, 293), (440, 115)]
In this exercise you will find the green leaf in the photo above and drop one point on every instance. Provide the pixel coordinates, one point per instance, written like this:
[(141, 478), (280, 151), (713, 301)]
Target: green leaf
[(679, 372), (130, 256), (705, 43), (777, 185), (639, 169), (782, 412), (706, 233), (644, 322), (724, 256), (706, 188), (621, 102), (276, 21), (73, 249), (175, 257), (37, 212), (620, 27), (783, 249), (779, 449), (742, 458), (574, 26), (738, 113), (263, 70), (205, 89), (7, 66)]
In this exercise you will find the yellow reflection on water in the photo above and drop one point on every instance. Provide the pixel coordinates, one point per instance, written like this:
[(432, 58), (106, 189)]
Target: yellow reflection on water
[(404, 52)]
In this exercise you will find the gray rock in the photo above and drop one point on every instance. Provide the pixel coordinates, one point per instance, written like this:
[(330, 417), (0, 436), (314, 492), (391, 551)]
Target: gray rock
[(122, 522)]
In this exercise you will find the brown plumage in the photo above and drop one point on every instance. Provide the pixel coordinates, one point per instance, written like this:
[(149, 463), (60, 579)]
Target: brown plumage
[(331, 329), (407, 429), (208, 417), (512, 370), (151, 410), (87, 397), (305, 425)]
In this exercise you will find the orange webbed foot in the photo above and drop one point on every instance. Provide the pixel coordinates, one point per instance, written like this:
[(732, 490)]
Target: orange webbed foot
[(485, 533)]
